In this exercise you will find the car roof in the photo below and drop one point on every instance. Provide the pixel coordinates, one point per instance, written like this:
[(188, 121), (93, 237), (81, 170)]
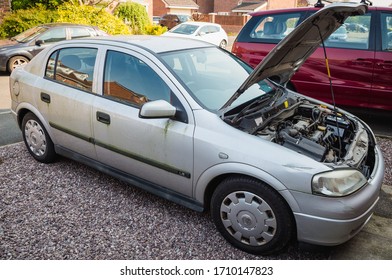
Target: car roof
[(307, 9), (199, 23), (156, 44), (60, 24)]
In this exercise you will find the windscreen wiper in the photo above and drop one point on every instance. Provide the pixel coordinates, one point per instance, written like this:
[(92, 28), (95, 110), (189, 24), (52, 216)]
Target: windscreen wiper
[(252, 107)]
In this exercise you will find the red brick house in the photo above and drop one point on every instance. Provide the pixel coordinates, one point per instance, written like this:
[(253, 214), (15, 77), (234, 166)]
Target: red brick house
[(184, 7), (5, 6), (242, 6)]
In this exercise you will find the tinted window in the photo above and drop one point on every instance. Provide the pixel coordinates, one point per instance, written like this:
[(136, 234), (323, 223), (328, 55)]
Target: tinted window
[(354, 34), (72, 66), (130, 80), (386, 31), (273, 27)]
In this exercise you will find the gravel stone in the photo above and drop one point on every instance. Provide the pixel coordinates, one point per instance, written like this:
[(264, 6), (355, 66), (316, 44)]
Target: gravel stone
[(66, 210)]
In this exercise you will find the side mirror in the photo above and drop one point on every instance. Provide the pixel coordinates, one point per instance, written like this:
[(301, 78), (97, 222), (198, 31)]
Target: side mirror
[(39, 42), (202, 33), (157, 109)]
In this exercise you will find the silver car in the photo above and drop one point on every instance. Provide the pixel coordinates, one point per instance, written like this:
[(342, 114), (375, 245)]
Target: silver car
[(192, 123)]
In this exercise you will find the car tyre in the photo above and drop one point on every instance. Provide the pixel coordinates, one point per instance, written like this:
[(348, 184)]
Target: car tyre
[(37, 139), (223, 44), (16, 61), (252, 216)]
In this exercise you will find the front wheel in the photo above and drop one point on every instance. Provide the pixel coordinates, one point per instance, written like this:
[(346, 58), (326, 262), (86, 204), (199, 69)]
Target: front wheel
[(37, 139), (251, 215), (16, 61)]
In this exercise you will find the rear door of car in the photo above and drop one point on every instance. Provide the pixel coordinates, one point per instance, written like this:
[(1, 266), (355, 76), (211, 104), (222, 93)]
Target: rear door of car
[(156, 150), (211, 34), (351, 64), (260, 35), (67, 97), (350, 59), (381, 97)]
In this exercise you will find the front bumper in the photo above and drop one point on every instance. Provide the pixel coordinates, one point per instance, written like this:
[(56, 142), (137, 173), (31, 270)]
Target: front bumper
[(334, 221)]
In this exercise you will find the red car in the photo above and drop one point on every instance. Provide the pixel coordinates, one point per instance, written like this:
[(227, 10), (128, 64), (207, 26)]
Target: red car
[(359, 56)]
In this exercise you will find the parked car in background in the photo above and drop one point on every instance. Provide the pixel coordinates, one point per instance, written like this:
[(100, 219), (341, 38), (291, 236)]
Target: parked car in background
[(171, 20), (194, 124), (359, 56), (156, 19), (23, 47), (204, 31)]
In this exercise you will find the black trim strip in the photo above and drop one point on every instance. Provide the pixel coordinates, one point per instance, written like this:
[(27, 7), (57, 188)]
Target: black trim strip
[(159, 165)]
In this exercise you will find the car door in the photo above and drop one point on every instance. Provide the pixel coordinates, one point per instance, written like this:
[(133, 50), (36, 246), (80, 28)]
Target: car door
[(381, 97), (210, 34), (159, 151), (51, 36), (67, 98), (351, 64)]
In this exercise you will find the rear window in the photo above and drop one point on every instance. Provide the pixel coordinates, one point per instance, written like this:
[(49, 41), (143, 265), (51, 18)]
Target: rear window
[(270, 28), (73, 67)]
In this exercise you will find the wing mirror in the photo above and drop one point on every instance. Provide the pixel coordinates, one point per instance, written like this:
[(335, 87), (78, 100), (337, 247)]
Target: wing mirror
[(39, 42), (157, 109)]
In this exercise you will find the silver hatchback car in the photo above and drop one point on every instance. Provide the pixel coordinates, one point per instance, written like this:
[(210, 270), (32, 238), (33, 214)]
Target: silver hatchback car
[(192, 123)]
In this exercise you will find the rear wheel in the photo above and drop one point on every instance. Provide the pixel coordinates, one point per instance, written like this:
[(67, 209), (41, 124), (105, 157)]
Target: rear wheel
[(37, 139), (16, 61), (251, 215)]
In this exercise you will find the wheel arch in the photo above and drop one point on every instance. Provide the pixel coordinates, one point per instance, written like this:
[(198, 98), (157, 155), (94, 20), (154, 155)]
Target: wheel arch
[(212, 177), (25, 108)]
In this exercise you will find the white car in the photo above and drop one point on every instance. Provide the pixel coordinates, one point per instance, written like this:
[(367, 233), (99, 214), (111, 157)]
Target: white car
[(204, 31), (194, 124)]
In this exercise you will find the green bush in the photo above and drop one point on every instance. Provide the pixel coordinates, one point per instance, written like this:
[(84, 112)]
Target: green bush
[(20, 20), (155, 29), (134, 15), (84, 14)]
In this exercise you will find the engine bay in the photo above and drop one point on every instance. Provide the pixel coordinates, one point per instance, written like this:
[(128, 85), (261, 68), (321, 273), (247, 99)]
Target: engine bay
[(311, 129)]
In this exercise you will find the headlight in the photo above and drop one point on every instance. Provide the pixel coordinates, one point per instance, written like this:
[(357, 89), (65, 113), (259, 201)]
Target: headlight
[(338, 182)]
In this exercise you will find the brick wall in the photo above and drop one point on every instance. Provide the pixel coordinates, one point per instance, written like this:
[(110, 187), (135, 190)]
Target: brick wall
[(159, 8), (205, 6), (224, 5), (5, 5), (280, 4)]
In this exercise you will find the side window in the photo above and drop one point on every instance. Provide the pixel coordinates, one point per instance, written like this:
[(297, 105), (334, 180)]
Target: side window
[(204, 30), (73, 67), (77, 32), (275, 26), (386, 31), (353, 34), (128, 79), (53, 35)]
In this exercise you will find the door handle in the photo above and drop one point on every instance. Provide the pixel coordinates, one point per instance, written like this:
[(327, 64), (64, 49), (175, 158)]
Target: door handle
[(386, 64), (362, 61), (103, 117), (45, 97)]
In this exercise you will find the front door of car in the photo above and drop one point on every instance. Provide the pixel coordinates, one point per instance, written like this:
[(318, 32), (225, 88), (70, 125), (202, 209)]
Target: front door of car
[(158, 150), (381, 97), (66, 98), (209, 34), (51, 36)]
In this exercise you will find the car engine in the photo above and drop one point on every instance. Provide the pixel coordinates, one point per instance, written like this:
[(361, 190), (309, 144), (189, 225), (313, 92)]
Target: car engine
[(312, 130)]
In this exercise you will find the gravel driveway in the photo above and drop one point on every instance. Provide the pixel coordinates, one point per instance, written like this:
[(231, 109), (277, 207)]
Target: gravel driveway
[(66, 210)]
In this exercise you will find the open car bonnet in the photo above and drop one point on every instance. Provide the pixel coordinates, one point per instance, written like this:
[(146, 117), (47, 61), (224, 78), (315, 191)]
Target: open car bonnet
[(287, 56)]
